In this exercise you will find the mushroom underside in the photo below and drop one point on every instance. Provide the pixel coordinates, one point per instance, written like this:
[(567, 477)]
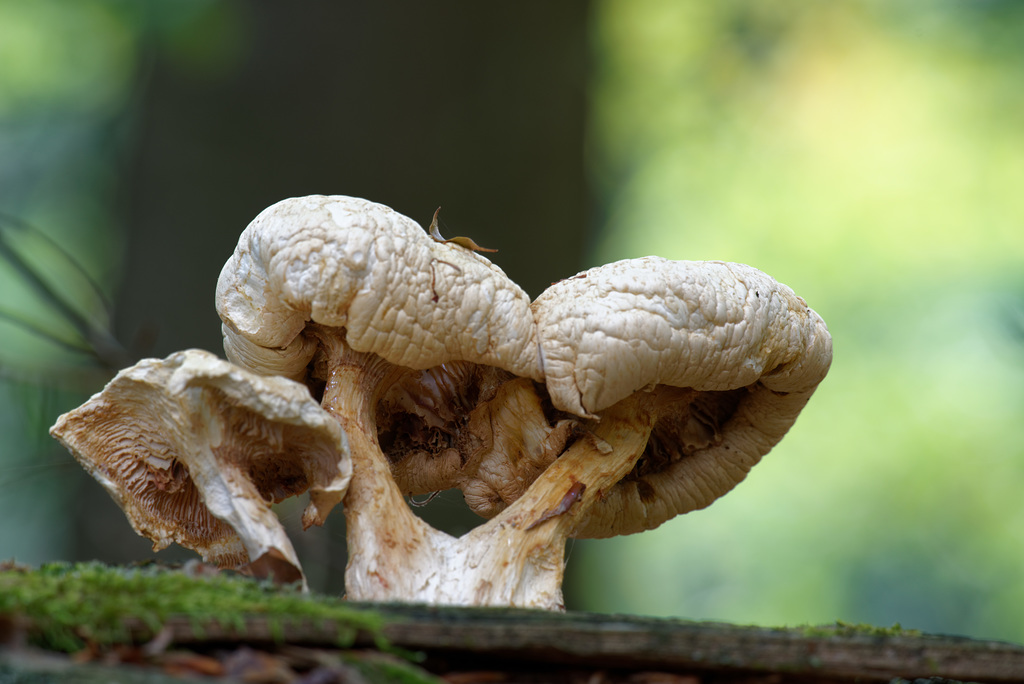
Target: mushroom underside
[(515, 558), (154, 488), (195, 451), (489, 434)]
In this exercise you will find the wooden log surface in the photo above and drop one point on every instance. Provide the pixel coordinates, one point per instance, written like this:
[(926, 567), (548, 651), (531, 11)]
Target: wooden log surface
[(525, 639)]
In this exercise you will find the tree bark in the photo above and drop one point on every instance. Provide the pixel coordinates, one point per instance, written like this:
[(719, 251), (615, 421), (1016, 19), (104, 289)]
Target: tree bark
[(538, 641)]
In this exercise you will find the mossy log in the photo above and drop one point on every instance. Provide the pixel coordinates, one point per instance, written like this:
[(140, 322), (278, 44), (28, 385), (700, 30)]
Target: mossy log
[(461, 644), (530, 640)]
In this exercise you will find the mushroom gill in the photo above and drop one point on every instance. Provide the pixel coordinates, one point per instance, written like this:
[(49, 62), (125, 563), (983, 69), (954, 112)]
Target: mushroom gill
[(472, 427), (424, 414), (195, 451), (674, 475)]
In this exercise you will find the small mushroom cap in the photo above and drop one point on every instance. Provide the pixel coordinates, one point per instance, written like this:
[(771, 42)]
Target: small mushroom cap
[(732, 354), (195, 451), (348, 263)]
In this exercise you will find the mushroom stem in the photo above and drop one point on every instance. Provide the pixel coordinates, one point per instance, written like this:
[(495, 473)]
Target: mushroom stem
[(515, 559), (518, 557), (385, 539), (579, 478)]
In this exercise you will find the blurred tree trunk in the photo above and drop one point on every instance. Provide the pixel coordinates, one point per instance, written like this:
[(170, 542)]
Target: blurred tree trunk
[(478, 108)]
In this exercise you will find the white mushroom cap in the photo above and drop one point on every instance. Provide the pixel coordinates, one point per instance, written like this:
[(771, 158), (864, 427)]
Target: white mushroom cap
[(195, 451), (348, 263), (746, 349), (709, 325)]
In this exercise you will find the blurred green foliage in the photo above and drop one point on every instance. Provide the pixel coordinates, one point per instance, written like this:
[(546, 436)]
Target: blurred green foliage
[(69, 84), (868, 154), (64, 72)]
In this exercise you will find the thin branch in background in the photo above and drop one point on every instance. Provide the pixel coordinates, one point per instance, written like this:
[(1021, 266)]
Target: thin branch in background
[(78, 345), (96, 341), (28, 475)]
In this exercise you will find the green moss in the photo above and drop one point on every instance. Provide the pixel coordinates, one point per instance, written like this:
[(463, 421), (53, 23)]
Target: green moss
[(66, 605), (848, 629)]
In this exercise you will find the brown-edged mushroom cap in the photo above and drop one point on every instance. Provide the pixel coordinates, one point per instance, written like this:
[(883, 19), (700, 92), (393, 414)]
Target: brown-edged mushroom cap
[(732, 355), (363, 268), (195, 451)]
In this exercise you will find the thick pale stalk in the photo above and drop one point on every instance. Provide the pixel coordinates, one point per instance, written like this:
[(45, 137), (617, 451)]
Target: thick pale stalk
[(518, 557), (515, 559), (387, 544)]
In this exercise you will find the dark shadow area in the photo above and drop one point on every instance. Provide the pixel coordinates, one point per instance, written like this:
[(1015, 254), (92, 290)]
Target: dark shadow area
[(476, 108)]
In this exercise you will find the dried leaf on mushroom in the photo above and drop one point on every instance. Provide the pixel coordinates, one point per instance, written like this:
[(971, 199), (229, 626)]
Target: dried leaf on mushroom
[(466, 242)]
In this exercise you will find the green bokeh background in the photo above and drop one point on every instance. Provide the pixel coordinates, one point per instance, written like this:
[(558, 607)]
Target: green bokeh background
[(868, 154), (871, 156)]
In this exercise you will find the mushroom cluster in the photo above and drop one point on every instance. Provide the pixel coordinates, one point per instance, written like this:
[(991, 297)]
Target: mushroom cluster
[(619, 398)]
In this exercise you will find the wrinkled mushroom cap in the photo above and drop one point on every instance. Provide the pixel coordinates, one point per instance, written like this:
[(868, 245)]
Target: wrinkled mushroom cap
[(726, 355), (345, 262), (710, 325), (733, 354), (195, 451)]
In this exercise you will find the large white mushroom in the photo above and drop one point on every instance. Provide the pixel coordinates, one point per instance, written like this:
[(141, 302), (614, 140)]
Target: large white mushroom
[(619, 398)]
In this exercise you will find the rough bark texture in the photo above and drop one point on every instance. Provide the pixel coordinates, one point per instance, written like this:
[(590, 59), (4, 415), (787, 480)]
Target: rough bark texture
[(536, 640), (474, 644)]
